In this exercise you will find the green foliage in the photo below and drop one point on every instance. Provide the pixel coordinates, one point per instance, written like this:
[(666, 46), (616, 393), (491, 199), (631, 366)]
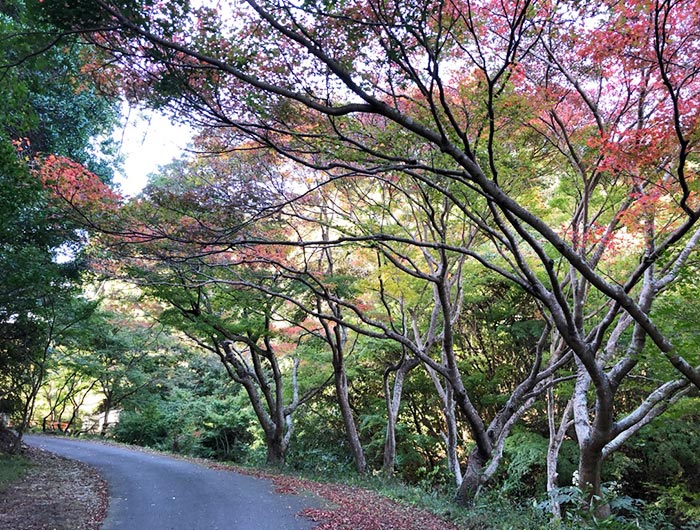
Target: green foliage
[(318, 445), (626, 513), (497, 331), (49, 108), (186, 410), (492, 511), (144, 426), (678, 310), (682, 504), (523, 472), (664, 463), (193, 410), (54, 108)]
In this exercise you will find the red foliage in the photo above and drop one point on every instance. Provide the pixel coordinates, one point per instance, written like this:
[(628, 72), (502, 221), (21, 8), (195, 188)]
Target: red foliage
[(71, 184)]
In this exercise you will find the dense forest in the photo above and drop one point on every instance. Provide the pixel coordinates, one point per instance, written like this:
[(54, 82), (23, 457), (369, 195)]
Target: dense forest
[(451, 244)]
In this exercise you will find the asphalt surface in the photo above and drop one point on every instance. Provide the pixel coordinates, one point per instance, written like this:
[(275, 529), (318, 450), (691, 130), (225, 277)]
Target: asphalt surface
[(154, 492)]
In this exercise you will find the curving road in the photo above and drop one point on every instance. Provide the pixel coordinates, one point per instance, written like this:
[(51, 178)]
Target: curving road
[(154, 492)]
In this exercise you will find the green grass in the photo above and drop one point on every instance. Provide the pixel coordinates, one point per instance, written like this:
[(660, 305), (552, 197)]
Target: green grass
[(12, 468)]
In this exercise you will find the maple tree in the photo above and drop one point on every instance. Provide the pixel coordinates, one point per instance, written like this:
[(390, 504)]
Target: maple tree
[(561, 133), (415, 299), (174, 243)]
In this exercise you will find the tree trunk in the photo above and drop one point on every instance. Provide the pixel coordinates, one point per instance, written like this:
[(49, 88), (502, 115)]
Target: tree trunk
[(589, 478), (276, 451), (22, 428), (390, 439), (107, 410), (556, 438), (76, 407), (393, 404), (337, 340), (341, 387), (28, 409), (452, 437), (265, 399), (471, 482)]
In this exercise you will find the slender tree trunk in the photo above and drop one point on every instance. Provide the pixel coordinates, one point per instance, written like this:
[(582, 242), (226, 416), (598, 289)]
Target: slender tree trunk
[(341, 387), (391, 413), (556, 438), (393, 404), (37, 380), (24, 424), (28, 409), (452, 437), (76, 407), (337, 340), (107, 410), (553, 479)]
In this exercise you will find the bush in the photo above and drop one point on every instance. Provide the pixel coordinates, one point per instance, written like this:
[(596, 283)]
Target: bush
[(146, 426), (204, 426)]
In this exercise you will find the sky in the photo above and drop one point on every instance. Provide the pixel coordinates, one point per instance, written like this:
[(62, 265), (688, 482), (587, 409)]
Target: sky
[(148, 140)]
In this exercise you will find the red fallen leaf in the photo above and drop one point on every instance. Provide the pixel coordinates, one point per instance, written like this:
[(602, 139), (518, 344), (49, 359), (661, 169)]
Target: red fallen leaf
[(352, 508)]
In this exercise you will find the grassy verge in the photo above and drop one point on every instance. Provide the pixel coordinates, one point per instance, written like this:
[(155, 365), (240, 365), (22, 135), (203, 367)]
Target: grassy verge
[(489, 511), (12, 468)]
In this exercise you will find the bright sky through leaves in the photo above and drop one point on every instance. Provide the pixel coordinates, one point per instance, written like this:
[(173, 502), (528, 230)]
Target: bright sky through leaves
[(148, 140)]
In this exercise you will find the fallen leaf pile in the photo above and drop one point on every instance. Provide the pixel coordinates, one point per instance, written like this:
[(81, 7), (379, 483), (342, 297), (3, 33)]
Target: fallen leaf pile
[(353, 508)]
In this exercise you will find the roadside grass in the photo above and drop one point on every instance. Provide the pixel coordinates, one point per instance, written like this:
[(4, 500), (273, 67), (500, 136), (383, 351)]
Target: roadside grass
[(12, 468), (488, 512)]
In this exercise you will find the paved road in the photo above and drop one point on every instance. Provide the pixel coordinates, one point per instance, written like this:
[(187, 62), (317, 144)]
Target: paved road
[(153, 492)]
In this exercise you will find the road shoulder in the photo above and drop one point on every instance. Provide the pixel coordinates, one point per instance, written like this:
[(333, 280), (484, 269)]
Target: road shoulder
[(55, 494)]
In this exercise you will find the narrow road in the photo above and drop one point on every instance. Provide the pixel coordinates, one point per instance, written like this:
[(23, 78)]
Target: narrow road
[(154, 492)]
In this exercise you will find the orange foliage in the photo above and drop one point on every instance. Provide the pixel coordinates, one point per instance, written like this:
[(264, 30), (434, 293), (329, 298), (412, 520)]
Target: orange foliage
[(72, 185)]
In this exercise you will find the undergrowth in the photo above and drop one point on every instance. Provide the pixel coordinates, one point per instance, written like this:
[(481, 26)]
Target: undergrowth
[(494, 510)]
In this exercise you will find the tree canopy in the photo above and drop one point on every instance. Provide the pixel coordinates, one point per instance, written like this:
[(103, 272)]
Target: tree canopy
[(491, 203)]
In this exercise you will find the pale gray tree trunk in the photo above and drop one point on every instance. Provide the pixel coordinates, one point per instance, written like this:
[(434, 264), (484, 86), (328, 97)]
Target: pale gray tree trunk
[(450, 434), (556, 438), (393, 404)]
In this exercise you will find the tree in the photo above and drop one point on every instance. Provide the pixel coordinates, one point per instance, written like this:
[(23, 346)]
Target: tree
[(238, 327), (511, 101), (64, 392), (191, 408), (250, 332)]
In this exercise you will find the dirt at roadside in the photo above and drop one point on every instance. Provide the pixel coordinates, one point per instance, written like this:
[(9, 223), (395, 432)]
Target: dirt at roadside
[(55, 494)]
